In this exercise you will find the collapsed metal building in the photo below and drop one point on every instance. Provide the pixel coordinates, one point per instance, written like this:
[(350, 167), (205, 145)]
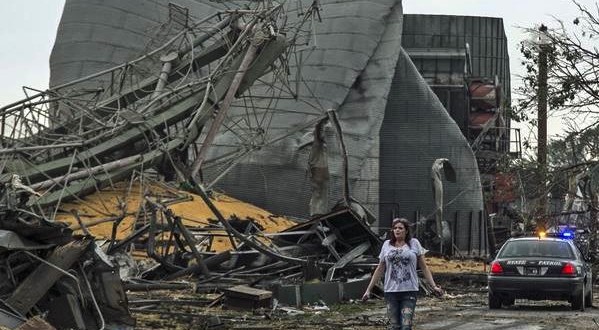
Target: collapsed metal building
[(395, 126), (315, 112)]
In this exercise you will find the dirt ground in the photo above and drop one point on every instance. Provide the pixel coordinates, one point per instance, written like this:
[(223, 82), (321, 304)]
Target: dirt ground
[(464, 306)]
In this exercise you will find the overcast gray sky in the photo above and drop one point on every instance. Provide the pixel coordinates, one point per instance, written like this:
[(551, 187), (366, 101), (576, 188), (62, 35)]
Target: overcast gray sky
[(28, 30), (27, 33)]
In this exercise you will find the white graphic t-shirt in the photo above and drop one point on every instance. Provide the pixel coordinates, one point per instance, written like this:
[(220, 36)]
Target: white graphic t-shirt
[(400, 266)]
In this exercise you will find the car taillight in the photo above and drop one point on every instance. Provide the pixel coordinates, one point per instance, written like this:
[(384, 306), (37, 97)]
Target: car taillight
[(568, 269), (496, 268)]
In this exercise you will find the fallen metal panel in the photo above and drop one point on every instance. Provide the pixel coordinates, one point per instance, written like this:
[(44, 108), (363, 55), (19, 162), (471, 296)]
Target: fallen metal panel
[(350, 231), (12, 241), (348, 257), (9, 320)]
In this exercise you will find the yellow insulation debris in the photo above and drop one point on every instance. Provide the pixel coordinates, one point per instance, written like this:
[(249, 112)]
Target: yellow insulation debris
[(99, 211), (441, 265)]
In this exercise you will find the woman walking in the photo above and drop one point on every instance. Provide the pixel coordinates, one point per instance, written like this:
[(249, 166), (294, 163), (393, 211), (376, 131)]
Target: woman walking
[(399, 258)]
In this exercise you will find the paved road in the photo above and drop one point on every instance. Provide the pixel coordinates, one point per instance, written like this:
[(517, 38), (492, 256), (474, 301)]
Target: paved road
[(523, 317), (465, 312), (469, 311)]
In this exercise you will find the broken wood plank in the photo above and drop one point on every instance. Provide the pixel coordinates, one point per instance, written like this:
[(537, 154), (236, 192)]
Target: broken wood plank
[(245, 297), (35, 286), (157, 286), (244, 291), (36, 323)]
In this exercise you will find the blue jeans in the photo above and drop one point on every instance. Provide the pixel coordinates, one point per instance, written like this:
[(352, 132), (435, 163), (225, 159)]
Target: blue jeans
[(400, 307)]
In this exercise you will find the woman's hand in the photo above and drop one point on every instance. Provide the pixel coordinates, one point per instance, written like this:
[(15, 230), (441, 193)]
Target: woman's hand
[(366, 295), (437, 291)]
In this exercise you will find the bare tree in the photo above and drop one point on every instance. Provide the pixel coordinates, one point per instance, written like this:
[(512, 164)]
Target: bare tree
[(572, 50), (573, 72)]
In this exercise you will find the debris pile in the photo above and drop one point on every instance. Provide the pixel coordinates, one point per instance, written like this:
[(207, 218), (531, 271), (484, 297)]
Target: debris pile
[(76, 271), (66, 279), (165, 234)]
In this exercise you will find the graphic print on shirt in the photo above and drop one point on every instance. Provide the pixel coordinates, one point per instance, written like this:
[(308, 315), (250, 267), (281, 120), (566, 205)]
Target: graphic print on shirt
[(399, 266)]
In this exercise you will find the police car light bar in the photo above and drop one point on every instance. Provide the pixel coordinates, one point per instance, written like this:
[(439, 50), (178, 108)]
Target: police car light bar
[(566, 233)]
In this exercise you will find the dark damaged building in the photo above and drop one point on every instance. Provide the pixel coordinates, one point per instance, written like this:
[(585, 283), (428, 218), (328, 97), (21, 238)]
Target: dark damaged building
[(400, 84), (465, 61), (448, 84)]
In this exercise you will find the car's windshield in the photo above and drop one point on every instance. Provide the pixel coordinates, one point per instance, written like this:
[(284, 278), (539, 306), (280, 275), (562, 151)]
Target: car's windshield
[(536, 248)]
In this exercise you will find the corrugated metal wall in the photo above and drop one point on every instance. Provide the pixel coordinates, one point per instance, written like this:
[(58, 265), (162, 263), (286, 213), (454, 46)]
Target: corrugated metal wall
[(94, 35), (485, 35), (434, 42), (417, 130), (350, 70)]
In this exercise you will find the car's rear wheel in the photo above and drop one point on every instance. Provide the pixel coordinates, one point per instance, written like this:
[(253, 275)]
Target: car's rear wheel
[(578, 300), (494, 301), (588, 301)]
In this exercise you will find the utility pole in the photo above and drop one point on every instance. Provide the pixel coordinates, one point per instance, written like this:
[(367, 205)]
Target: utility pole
[(542, 128)]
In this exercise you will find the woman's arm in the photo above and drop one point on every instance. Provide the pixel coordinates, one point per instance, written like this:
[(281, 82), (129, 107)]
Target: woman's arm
[(428, 276), (380, 269)]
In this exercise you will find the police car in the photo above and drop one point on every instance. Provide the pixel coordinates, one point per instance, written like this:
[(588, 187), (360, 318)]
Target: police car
[(540, 268)]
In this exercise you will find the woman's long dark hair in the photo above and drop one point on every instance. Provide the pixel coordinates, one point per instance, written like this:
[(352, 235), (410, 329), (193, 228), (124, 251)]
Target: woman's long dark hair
[(406, 225)]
